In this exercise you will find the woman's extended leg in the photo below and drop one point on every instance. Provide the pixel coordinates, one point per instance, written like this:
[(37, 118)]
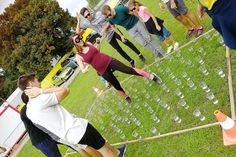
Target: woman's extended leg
[(109, 76), (117, 65)]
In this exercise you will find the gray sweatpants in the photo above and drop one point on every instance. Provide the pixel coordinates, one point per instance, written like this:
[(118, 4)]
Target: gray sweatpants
[(142, 36)]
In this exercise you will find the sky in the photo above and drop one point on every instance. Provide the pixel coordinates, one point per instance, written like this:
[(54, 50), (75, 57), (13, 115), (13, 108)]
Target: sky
[(4, 4), (72, 5)]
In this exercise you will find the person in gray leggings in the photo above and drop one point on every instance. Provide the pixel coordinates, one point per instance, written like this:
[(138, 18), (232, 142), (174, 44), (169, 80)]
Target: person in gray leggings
[(136, 29)]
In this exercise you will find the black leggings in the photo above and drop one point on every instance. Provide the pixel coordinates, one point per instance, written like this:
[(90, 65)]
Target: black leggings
[(117, 65), (92, 138), (117, 47)]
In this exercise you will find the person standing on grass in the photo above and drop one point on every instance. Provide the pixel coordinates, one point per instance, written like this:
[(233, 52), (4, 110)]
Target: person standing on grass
[(44, 110), (97, 21), (154, 25), (105, 65), (223, 14), (120, 15), (181, 13), (42, 141)]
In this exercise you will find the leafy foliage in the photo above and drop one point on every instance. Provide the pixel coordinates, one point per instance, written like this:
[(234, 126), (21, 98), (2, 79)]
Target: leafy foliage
[(31, 34)]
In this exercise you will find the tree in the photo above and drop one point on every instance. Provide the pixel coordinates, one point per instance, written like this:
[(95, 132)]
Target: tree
[(32, 32)]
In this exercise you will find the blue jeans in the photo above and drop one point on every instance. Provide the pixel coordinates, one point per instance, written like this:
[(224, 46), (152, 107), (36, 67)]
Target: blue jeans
[(49, 148), (140, 33), (165, 32)]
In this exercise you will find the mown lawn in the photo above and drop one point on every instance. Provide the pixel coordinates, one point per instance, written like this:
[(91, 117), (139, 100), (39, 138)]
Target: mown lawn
[(147, 115)]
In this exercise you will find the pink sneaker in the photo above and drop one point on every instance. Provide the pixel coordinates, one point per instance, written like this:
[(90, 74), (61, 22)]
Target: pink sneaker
[(199, 31)]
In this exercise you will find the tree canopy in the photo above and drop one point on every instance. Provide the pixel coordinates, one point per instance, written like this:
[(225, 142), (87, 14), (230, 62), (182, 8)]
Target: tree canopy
[(32, 32)]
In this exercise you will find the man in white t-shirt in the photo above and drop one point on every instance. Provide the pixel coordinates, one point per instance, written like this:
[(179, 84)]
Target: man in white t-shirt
[(44, 110)]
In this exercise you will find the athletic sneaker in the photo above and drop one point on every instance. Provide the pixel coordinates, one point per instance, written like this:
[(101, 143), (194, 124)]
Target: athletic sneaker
[(199, 31), (122, 150), (156, 78), (189, 33), (132, 63), (128, 100), (142, 58), (169, 49), (176, 45)]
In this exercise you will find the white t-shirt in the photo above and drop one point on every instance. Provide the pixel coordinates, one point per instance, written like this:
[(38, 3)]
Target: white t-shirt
[(46, 112)]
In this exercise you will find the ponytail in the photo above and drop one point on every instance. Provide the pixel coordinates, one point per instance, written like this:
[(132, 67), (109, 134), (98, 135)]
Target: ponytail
[(79, 49)]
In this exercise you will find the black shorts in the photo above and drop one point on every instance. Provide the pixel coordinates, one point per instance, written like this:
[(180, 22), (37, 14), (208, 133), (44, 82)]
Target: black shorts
[(92, 138), (151, 26)]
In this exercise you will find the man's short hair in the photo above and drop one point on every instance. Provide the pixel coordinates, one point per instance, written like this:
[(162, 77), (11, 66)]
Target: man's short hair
[(83, 10), (105, 8), (23, 81), (24, 98)]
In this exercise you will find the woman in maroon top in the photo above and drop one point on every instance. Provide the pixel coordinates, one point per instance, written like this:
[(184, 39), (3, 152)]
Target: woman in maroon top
[(105, 65)]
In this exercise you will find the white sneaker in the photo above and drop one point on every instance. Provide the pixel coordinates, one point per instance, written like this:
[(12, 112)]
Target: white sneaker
[(156, 79), (169, 49), (176, 45)]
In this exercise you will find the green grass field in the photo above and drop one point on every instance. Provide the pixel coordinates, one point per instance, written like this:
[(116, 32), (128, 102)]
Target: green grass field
[(148, 114)]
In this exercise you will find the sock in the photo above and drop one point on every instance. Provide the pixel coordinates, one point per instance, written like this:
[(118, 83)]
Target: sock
[(142, 73), (122, 93)]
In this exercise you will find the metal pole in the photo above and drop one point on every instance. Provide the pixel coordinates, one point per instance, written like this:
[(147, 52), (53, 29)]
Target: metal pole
[(167, 134), (231, 92)]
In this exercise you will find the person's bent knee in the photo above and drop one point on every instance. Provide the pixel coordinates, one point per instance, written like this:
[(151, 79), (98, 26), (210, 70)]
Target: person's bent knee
[(179, 17)]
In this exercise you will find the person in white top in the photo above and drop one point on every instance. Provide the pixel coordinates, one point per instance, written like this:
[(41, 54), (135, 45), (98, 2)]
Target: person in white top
[(181, 13), (44, 110)]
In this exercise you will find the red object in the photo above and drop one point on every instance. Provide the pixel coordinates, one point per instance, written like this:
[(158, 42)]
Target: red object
[(228, 128), (98, 60), (20, 136)]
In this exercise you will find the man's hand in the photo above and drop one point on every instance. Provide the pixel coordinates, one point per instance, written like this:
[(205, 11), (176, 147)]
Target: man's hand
[(123, 39), (200, 11), (98, 40), (162, 7), (173, 4), (32, 92), (103, 33)]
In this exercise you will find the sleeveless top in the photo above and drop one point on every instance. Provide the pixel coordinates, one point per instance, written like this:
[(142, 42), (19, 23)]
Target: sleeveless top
[(98, 60), (145, 17), (208, 3)]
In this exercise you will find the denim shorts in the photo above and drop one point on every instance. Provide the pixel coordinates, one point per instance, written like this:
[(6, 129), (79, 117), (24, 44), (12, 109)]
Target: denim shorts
[(165, 32)]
